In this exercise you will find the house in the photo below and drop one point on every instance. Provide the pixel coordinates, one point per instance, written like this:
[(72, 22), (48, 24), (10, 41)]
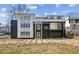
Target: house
[(73, 24), (29, 26)]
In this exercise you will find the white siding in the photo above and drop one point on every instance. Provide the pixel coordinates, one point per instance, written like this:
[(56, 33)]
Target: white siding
[(20, 29)]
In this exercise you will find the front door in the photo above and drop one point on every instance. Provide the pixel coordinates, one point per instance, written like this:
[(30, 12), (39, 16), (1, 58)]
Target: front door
[(38, 30), (38, 34)]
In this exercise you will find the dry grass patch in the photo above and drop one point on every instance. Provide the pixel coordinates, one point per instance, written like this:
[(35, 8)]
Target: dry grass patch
[(76, 37), (41, 48)]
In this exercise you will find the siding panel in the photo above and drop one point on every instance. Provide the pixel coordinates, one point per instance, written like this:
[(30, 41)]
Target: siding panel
[(13, 28)]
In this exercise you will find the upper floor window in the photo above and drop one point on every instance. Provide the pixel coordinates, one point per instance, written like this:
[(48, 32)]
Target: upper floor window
[(25, 25), (59, 17), (51, 17), (71, 21), (28, 25)]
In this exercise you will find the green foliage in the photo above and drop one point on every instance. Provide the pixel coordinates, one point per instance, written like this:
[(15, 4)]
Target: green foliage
[(7, 33)]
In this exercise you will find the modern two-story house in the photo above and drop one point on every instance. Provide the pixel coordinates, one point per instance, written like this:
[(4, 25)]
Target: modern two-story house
[(29, 26)]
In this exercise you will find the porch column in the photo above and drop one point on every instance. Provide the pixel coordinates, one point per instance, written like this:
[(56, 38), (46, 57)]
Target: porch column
[(35, 30), (41, 30)]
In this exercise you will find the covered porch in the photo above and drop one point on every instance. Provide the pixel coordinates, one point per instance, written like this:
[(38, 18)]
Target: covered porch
[(45, 30)]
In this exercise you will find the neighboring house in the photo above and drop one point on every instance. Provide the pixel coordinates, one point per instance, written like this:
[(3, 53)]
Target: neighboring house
[(29, 26), (74, 24)]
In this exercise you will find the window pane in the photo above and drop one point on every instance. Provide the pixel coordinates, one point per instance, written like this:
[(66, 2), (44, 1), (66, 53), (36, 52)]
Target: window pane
[(28, 25), (21, 24), (25, 25), (22, 33), (27, 33), (38, 27)]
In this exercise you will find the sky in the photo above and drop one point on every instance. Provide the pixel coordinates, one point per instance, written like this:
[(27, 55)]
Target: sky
[(39, 9)]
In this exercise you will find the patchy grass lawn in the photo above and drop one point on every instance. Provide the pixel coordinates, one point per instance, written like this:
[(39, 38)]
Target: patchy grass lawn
[(39, 48)]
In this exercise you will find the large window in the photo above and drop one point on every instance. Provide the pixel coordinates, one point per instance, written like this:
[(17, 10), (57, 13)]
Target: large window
[(59, 17), (25, 33), (55, 26), (73, 20), (25, 25)]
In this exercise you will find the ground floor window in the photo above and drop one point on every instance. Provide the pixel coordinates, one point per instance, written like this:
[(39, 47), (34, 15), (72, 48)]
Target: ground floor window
[(25, 33)]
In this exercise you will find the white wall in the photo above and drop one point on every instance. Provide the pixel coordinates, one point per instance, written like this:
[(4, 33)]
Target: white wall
[(67, 24), (19, 29)]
